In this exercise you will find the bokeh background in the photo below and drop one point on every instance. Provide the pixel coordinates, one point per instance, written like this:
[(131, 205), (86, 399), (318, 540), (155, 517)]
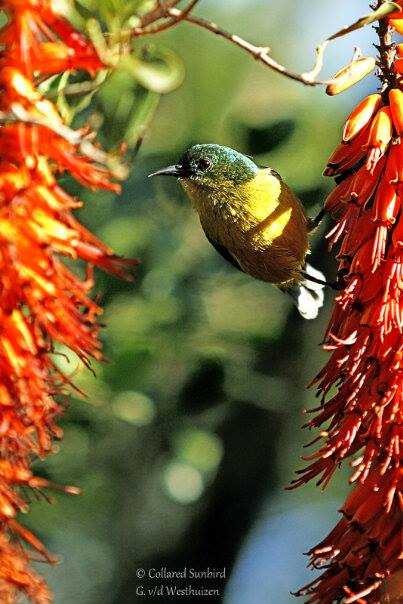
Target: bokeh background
[(191, 431)]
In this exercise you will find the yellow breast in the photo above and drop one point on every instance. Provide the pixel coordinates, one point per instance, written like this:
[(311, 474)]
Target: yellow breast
[(262, 194), (269, 204)]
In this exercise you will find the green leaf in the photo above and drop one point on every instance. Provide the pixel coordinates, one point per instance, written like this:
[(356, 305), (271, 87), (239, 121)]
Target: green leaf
[(158, 69), (380, 13)]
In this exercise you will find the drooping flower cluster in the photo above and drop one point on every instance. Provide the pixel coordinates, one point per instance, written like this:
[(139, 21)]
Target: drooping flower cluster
[(361, 386), (41, 301)]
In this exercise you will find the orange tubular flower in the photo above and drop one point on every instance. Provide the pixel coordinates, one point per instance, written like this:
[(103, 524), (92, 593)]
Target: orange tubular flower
[(361, 386), (396, 109), (360, 116), (350, 75), (41, 300)]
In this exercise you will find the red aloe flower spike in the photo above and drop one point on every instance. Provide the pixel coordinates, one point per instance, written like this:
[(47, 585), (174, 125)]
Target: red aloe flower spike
[(361, 386), (41, 301)]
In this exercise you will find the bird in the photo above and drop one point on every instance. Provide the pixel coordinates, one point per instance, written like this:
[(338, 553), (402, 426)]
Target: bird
[(253, 219)]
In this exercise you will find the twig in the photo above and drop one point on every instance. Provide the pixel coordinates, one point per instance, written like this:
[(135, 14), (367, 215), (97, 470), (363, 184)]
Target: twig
[(76, 89), (317, 68), (260, 53), (177, 16), (157, 13)]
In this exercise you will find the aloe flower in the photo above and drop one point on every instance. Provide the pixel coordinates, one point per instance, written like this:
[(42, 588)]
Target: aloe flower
[(42, 302), (361, 386)]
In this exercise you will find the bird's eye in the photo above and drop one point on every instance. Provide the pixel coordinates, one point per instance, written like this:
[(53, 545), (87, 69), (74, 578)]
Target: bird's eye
[(204, 163)]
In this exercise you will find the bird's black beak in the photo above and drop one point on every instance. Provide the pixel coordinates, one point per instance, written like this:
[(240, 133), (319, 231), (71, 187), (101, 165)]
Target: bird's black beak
[(169, 171)]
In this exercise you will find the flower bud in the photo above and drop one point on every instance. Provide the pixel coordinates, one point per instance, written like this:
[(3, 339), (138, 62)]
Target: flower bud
[(350, 75), (365, 183), (379, 137), (386, 203), (397, 234), (339, 196), (394, 164), (52, 57), (397, 25), (360, 116), (396, 109), (398, 64), (346, 155)]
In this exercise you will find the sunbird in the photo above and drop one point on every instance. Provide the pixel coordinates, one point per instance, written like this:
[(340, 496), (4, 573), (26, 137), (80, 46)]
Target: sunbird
[(253, 219)]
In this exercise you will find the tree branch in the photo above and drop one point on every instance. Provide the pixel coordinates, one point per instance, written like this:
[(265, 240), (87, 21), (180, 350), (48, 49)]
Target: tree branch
[(164, 12), (158, 12), (260, 53)]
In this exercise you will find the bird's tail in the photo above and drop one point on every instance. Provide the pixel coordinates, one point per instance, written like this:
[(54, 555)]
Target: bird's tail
[(308, 295)]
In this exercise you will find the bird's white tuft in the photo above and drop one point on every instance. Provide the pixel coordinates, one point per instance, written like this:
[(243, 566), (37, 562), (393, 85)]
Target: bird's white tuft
[(309, 295)]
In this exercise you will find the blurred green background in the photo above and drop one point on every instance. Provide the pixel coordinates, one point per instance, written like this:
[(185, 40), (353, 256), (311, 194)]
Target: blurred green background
[(191, 431)]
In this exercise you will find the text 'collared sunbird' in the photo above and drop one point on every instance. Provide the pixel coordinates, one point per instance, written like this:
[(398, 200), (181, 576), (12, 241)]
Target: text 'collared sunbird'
[(253, 220)]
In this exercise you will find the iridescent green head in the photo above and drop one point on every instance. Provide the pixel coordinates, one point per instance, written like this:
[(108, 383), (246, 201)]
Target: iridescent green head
[(211, 165)]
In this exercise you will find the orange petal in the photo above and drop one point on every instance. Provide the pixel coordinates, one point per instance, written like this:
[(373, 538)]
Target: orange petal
[(360, 116), (338, 196), (346, 155), (381, 129), (398, 63), (386, 203), (365, 183), (396, 109), (379, 137), (397, 25), (394, 164), (397, 234)]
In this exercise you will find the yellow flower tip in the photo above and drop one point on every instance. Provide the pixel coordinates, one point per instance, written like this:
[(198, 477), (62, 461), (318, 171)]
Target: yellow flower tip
[(350, 75), (360, 117)]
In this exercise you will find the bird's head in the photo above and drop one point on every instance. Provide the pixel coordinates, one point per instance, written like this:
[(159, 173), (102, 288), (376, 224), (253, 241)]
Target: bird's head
[(212, 166)]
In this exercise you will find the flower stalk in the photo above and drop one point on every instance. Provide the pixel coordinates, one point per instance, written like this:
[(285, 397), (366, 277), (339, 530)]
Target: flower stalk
[(361, 386), (42, 302)]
